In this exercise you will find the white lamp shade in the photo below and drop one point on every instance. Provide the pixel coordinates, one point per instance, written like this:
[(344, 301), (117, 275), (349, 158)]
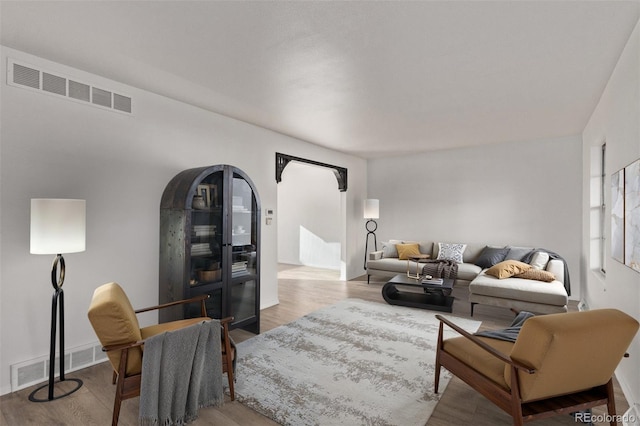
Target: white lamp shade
[(57, 226), (371, 208)]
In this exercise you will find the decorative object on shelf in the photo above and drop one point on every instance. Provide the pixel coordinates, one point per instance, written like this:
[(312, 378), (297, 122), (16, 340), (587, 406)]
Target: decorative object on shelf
[(198, 202), (371, 212), (57, 226)]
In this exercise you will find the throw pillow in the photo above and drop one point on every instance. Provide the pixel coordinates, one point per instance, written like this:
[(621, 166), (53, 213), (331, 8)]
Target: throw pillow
[(537, 274), (539, 260), (517, 253), (489, 256), (508, 268), (406, 250), (453, 252), (389, 248)]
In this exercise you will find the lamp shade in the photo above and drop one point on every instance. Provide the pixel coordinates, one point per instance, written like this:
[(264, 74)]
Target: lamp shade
[(371, 208), (57, 226)]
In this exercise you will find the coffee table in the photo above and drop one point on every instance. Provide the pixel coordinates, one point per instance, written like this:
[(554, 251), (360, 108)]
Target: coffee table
[(414, 293)]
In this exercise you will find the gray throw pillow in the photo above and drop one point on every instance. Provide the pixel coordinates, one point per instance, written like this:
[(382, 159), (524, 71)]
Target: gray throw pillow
[(491, 255), (517, 253)]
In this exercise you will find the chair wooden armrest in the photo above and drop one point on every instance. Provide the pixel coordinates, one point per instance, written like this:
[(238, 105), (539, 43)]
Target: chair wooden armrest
[(195, 299), (494, 352), (123, 346)]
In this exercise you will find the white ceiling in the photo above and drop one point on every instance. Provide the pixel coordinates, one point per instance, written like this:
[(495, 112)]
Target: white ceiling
[(367, 78)]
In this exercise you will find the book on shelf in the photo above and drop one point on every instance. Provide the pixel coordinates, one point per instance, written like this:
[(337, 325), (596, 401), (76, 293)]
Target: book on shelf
[(201, 249), (433, 281)]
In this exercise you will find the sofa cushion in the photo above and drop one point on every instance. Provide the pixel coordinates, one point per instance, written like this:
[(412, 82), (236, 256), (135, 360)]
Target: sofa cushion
[(537, 274), (489, 256), (406, 250), (539, 260), (508, 268), (517, 253), (467, 271), (389, 248), (450, 251), (552, 293), (387, 264)]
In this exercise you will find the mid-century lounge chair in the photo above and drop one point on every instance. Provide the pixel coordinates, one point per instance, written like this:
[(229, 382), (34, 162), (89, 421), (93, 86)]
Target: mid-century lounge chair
[(560, 363), (116, 325)]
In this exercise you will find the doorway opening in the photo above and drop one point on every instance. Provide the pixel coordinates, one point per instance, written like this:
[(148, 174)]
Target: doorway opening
[(311, 224)]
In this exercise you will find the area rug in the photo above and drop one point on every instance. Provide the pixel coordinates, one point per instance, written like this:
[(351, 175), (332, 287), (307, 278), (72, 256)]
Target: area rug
[(352, 363)]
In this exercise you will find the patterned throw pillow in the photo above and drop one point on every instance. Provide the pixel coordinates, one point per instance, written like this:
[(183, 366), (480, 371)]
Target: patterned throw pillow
[(453, 252)]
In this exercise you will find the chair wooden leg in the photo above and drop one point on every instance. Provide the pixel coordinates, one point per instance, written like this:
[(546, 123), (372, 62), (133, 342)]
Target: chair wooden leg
[(122, 370), (436, 380), (611, 403), (114, 378), (229, 360)]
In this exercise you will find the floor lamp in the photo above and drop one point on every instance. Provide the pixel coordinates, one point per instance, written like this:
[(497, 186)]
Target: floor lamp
[(371, 211), (57, 226)]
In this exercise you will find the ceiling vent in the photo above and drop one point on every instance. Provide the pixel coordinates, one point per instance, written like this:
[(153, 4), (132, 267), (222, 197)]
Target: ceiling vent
[(30, 77)]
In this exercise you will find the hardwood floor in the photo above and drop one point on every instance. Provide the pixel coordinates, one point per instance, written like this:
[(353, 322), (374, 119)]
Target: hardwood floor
[(301, 292)]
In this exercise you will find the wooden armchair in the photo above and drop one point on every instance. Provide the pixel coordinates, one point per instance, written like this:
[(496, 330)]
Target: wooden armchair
[(116, 325), (560, 363)]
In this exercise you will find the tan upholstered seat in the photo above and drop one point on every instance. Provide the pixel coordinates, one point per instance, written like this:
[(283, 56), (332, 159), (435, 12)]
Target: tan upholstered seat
[(116, 325), (565, 361)]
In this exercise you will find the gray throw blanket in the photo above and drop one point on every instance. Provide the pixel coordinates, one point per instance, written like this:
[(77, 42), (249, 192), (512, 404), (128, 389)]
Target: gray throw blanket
[(567, 281), (510, 333), (441, 268), (181, 373)]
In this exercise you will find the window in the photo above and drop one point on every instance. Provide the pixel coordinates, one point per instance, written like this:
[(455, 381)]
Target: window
[(598, 209)]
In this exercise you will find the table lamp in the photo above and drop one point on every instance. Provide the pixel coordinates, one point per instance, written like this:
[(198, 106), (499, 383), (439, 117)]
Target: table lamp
[(57, 226), (371, 211)]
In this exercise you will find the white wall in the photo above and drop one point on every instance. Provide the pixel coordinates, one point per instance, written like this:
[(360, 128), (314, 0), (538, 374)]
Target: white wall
[(615, 120), (519, 193), (53, 147), (309, 231)]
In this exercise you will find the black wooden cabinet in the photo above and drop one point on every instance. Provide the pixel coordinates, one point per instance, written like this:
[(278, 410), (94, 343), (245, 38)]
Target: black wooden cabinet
[(210, 244)]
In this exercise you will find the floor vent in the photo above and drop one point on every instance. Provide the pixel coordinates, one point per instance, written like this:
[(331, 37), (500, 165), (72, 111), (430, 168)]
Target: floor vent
[(32, 372), (32, 78)]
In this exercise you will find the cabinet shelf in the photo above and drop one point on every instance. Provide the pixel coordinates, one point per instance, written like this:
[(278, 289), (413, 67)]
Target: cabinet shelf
[(224, 237)]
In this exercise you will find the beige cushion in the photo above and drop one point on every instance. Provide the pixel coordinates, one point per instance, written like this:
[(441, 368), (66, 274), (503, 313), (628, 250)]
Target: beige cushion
[(406, 250), (571, 351), (114, 321), (474, 356), (508, 268), (536, 274), (513, 289)]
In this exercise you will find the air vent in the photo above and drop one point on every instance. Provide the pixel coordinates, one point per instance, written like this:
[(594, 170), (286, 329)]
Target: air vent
[(79, 91), (101, 97), (122, 103), (28, 373), (54, 84), (26, 76), (30, 77)]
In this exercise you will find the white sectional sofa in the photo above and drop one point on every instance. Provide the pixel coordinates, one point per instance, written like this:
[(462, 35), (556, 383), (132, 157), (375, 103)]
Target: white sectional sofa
[(522, 294)]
